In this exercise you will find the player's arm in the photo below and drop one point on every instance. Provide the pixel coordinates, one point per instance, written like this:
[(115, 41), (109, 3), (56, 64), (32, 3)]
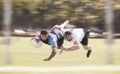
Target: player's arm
[(53, 44), (55, 27), (74, 47), (53, 53)]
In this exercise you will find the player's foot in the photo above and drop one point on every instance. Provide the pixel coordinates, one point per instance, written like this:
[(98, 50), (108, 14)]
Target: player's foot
[(88, 53)]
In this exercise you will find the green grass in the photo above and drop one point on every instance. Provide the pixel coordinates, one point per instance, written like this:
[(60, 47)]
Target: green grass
[(23, 54)]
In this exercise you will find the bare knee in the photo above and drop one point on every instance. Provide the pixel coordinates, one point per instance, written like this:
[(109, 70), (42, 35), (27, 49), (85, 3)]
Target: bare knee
[(86, 47)]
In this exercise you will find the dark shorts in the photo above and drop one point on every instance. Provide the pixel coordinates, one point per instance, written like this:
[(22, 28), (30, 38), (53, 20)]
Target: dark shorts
[(85, 39), (60, 37), (60, 42)]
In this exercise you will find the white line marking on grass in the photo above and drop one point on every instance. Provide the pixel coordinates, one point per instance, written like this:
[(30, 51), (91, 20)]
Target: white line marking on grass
[(57, 68)]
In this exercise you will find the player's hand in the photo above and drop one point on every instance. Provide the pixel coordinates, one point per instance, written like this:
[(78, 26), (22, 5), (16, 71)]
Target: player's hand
[(37, 40), (46, 59)]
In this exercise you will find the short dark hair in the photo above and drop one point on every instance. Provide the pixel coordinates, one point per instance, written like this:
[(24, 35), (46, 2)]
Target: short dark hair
[(68, 33), (44, 32)]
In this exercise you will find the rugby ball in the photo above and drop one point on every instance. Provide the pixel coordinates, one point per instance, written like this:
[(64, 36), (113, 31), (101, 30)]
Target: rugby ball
[(35, 43)]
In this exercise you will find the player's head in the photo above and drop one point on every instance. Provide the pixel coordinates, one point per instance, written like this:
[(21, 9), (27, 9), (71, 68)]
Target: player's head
[(44, 34), (68, 35)]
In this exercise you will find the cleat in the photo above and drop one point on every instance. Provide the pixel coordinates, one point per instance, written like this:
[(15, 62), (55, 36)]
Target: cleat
[(88, 53)]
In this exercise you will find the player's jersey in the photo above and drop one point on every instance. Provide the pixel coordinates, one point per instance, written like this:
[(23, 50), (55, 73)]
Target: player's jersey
[(60, 36), (55, 38), (77, 35), (51, 40)]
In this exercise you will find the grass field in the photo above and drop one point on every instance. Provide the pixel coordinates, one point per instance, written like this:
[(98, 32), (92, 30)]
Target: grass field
[(23, 54)]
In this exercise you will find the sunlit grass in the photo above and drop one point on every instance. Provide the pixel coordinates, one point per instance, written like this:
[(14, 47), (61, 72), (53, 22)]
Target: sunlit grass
[(23, 54)]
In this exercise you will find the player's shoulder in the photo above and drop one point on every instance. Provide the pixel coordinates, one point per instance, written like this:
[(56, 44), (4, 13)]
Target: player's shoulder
[(51, 36)]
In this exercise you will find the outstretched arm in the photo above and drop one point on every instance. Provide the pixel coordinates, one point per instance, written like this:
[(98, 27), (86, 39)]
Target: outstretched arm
[(74, 47), (53, 53)]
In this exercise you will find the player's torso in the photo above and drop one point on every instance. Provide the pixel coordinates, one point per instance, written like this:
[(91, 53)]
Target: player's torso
[(77, 35)]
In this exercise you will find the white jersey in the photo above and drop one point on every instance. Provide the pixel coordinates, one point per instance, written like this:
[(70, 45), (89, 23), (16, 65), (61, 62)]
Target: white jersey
[(77, 35)]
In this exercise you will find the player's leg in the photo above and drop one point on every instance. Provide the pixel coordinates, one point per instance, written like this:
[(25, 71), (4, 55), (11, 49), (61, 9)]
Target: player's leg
[(60, 41), (64, 24), (59, 27), (85, 44), (88, 48)]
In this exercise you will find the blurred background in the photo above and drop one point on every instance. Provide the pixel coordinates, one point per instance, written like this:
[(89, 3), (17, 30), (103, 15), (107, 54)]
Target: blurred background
[(21, 19), (32, 15)]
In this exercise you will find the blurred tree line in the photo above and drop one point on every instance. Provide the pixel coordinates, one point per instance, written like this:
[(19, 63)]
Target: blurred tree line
[(46, 13)]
